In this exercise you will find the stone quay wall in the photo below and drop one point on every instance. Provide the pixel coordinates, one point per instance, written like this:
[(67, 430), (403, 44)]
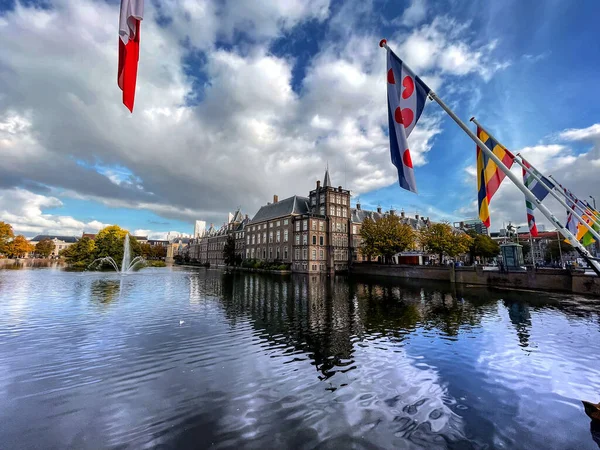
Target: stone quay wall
[(539, 280)]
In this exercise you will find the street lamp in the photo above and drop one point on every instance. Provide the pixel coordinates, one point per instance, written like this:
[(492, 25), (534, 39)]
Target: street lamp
[(593, 200)]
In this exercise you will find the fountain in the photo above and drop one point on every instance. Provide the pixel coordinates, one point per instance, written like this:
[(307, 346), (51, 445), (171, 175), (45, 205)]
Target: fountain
[(127, 265)]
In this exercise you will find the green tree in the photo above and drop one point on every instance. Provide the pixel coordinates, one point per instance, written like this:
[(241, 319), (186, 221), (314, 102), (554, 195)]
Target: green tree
[(20, 246), (81, 254), (552, 250), (110, 241), (44, 248), (482, 245), (6, 235), (229, 256), (442, 239), (386, 237)]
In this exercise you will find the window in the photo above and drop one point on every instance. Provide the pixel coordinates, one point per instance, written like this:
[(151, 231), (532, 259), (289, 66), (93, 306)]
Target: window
[(248, 240), (252, 253), (314, 255), (332, 210), (322, 210), (354, 229), (304, 253), (321, 226), (264, 238), (264, 253), (285, 221), (338, 227), (278, 236), (339, 211), (314, 239), (278, 223), (270, 252), (285, 235), (285, 254), (313, 201), (270, 237), (321, 254), (297, 254), (298, 226), (277, 252), (321, 239), (297, 239), (247, 253), (253, 239), (305, 225), (264, 226), (345, 227), (322, 199), (305, 239), (314, 225), (344, 212)]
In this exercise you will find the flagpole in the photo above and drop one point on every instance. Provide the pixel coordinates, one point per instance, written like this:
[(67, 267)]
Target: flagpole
[(528, 194), (577, 201), (545, 186)]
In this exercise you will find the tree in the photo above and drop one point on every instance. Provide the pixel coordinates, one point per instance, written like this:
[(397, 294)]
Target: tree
[(386, 237), (442, 239), (44, 248), (229, 256), (20, 246), (482, 245), (6, 235), (81, 254), (110, 240), (552, 250)]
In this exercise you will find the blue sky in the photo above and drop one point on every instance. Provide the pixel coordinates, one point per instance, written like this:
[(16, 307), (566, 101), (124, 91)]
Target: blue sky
[(238, 101)]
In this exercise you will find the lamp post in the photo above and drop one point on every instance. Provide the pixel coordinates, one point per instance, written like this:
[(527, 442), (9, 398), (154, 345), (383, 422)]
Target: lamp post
[(594, 201)]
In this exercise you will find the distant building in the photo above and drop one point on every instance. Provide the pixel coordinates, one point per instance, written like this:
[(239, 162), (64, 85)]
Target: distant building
[(475, 225), (60, 242), (141, 239), (199, 229), (91, 236), (158, 242)]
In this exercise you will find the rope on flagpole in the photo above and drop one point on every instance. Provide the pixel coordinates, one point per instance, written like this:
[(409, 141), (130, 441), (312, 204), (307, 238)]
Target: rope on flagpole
[(575, 199), (528, 194), (545, 186)]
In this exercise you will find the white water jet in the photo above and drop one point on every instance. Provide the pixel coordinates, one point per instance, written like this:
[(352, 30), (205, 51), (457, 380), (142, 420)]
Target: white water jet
[(127, 265)]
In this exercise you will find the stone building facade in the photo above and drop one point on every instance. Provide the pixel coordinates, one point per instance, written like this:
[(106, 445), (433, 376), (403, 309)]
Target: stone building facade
[(315, 234)]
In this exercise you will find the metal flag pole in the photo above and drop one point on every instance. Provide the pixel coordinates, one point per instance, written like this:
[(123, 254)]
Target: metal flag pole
[(576, 201), (552, 192), (528, 194)]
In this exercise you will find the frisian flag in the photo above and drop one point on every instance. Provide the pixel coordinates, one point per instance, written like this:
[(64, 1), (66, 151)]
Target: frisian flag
[(489, 175), (132, 13), (537, 189), (406, 99)]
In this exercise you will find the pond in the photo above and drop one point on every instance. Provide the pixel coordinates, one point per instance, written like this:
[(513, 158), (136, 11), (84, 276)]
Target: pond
[(186, 358)]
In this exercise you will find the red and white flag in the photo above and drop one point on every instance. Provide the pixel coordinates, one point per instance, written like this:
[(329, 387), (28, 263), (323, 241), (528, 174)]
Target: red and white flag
[(132, 13)]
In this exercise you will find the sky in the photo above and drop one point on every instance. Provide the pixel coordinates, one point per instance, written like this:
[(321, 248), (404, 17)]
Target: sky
[(238, 100)]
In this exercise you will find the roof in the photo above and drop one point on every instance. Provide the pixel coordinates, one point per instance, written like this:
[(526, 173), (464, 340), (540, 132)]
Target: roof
[(68, 239), (141, 238), (91, 236), (237, 217), (359, 215), (326, 180), (183, 240), (289, 206)]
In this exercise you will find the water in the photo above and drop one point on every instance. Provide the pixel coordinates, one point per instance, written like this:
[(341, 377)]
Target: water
[(175, 358)]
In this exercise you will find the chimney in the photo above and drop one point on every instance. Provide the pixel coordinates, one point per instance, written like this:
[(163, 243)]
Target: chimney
[(358, 206), (318, 184), (275, 199), (379, 209), (340, 188)]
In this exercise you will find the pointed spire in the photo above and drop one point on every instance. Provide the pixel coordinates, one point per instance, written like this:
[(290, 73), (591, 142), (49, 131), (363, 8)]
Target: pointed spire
[(327, 180)]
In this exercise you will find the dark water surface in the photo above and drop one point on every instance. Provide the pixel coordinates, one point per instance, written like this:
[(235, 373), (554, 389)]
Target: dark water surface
[(175, 358)]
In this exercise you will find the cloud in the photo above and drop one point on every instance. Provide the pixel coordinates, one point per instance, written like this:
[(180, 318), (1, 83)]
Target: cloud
[(415, 13), (252, 132), (23, 210)]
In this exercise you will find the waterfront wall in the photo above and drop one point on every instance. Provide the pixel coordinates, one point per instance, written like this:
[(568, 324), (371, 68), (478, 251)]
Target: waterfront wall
[(6, 263), (542, 279)]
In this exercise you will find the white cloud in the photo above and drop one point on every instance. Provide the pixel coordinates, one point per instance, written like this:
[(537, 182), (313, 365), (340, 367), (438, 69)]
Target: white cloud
[(23, 210), (415, 13), (251, 135)]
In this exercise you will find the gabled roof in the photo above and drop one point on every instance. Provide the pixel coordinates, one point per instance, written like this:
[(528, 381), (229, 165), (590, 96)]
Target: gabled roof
[(289, 206), (68, 239), (237, 217)]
